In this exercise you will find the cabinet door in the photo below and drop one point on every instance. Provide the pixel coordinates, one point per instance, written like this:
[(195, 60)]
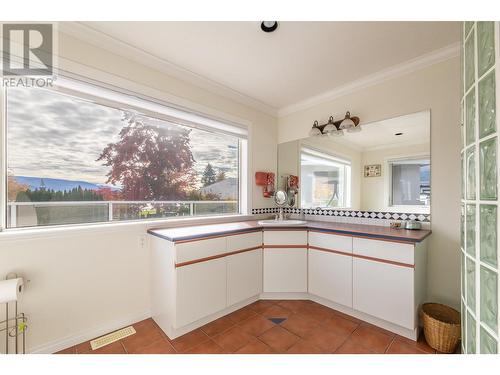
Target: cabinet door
[(244, 276), (201, 290), (384, 291), (330, 276), (285, 270)]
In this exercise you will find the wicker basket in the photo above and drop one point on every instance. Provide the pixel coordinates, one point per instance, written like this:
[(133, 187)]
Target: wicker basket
[(441, 326)]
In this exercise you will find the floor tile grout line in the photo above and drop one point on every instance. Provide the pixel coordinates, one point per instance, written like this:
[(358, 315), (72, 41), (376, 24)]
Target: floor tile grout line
[(343, 342), (123, 346), (390, 344)]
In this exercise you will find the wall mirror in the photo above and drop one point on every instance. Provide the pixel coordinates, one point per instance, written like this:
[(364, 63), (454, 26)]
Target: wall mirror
[(384, 167)]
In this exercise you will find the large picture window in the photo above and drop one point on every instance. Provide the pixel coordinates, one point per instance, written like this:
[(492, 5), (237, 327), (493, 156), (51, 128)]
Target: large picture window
[(81, 159), (326, 180)]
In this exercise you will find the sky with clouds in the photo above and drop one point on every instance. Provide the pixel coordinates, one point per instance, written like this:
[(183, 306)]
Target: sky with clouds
[(57, 136)]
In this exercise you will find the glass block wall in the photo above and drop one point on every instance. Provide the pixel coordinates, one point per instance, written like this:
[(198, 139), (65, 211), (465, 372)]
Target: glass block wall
[(479, 207)]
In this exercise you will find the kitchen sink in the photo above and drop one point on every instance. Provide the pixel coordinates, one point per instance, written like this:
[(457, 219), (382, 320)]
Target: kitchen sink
[(281, 223)]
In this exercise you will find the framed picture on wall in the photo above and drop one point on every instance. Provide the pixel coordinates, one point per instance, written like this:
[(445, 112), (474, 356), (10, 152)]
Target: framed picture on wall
[(373, 170)]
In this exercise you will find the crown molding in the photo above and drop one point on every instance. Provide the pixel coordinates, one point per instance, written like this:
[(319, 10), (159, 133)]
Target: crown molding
[(407, 67), (118, 47)]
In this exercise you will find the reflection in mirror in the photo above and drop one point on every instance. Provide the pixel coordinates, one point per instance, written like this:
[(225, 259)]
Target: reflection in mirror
[(384, 167), (280, 197)]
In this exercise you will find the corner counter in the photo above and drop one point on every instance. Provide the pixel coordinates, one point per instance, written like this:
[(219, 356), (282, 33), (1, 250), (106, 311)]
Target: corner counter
[(183, 234), (201, 273)]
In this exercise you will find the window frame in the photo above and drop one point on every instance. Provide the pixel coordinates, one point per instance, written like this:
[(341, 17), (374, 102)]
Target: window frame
[(346, 162), (388, 185), (220, 123)]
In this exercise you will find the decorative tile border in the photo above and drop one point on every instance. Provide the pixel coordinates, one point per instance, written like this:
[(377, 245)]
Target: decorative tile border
[(260, 211), (425, 218)]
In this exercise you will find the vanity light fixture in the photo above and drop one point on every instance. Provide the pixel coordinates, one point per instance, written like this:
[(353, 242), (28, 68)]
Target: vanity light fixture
[(336, 128), (347, 122), (329, 127), (269, 26), (315, 130)]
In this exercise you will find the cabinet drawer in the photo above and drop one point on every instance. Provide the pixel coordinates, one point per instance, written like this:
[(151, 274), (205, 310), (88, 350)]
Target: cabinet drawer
[(188, 251), (392, 251), (244, 241), (285, 237), (331, 241)]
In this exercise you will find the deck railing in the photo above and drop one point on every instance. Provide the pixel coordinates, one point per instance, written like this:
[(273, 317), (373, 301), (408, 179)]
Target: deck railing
[(27, 214)]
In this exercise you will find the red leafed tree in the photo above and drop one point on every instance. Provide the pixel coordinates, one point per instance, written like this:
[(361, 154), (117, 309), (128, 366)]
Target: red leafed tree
[(14, 188), (109, 194), (150, 161)]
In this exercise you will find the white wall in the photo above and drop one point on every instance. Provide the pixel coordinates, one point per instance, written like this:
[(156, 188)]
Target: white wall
[(436, 88), (86, 282)]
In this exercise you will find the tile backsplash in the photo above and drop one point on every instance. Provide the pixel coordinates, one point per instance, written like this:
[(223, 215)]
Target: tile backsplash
[(348, 216)]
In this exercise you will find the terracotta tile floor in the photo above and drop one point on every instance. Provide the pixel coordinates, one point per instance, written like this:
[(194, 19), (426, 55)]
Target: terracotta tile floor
[(308, 328)]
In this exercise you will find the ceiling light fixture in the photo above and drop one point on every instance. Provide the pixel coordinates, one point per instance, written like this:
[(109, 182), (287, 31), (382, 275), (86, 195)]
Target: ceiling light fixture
[(336, 128), (398, 134), (269, 26)]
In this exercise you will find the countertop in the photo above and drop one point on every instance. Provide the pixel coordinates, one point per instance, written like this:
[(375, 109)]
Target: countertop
[(372, 231)]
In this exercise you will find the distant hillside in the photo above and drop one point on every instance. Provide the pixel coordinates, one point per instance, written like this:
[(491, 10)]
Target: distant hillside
[(57, 184)]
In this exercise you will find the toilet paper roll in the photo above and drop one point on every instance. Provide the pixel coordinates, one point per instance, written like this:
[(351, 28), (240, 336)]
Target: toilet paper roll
[(10, 290)]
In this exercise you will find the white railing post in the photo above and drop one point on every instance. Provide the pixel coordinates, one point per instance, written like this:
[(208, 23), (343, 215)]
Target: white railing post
[(110, 211), (13, 215), (191, 209)]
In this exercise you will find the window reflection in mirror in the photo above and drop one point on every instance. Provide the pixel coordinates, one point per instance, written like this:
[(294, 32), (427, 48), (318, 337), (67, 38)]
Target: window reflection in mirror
[(410, 182), (325, 180)]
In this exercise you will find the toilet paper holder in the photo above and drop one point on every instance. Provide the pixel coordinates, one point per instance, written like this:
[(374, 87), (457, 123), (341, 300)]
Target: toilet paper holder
[(15, 326)]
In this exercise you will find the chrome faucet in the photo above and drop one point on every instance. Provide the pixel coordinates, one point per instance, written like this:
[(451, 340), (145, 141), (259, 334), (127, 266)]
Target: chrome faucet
[(280, 216)]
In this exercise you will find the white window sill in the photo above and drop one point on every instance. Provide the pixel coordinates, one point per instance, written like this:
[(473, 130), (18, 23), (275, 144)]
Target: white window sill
[(106, 227)]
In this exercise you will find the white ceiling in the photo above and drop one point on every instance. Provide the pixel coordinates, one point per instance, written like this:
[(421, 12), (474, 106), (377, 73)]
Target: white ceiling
[(298, 61)]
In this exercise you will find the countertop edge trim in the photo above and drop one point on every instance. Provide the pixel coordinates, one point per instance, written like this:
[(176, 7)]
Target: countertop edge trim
[(311, 228)]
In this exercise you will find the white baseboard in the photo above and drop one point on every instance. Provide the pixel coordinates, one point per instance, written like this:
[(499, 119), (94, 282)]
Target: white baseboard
[(284, 295), (69, 341), (411, 334), (172, 333)]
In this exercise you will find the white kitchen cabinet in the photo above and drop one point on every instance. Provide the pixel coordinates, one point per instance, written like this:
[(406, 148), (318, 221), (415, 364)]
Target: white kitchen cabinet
[(385, 291), (330, 276), (197, 280), (330, 241), (285, 270), (285, 237), (384, 250), (201, 290), (244, 276), (330, 267), (194, 281), (285, 261)]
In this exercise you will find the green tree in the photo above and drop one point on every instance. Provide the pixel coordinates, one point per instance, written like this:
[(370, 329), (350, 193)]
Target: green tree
[(209, 176), (221, 176)]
